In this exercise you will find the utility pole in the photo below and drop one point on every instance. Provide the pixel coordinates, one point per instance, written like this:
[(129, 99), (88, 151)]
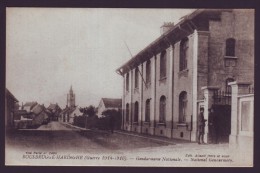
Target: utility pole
[(137, 67)]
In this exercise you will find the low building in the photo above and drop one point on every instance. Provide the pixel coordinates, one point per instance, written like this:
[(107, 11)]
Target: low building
[(108, 104), (74, 113), (10, 102), (39, 115)]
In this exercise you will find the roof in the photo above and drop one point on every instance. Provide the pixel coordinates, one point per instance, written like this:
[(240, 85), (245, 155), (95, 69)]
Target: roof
[(53, 106), (112, 103), (30, 104), (68, 110), (38, 109), (9, 94), (169, 37), (20, 112)]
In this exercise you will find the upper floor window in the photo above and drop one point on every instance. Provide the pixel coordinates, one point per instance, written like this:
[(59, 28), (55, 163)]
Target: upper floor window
[(162, 109), (147, 110), (136, 78), (148, 71), (163, 64), (127, 82), (127, 112), (230, 47), (182, 107), (184, 46)]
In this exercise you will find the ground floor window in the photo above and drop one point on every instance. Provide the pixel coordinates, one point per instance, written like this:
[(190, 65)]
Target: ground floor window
[(182, 107), (136, 112), (147, 110), (162, 109), (127, 112)]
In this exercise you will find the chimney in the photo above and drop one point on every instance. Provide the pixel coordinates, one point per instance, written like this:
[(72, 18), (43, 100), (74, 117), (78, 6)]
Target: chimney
[(166, 27)]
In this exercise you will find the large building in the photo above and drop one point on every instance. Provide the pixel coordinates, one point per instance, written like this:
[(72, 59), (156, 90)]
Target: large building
[(163, 83)]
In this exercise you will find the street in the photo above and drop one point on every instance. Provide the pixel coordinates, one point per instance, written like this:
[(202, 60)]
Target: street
[(61, 139), (58, 137)]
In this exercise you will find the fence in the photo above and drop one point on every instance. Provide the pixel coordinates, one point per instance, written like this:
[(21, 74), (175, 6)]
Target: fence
[(222, 97)]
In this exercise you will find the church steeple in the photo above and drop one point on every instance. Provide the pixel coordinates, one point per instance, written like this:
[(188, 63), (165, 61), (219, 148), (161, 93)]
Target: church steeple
[(71, 98), (71, 91)]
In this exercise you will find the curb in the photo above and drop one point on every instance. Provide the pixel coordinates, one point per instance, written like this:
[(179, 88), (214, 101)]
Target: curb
[(76, 127)]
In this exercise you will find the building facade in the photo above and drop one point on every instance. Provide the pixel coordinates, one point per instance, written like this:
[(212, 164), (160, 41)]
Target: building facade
[(163, 83)]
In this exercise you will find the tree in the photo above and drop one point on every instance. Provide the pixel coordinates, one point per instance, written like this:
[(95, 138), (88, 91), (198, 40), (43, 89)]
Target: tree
[(91, 118), (112, 119), (90, 111)]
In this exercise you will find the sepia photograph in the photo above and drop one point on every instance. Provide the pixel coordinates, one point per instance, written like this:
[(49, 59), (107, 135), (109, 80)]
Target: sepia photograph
[(138, 87)]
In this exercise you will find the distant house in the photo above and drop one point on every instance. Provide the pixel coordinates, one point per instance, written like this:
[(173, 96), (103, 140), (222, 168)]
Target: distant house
[(67, 114), (19, 113), (74, 113), (108, 104), (55, 111), (63, 114), (10, 102), (39, 115), (28, 106)]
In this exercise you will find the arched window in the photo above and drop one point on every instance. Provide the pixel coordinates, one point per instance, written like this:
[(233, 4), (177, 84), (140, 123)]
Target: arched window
[(228, 87), (127, 82), (136, 78), (136, 112), (147, 110), (184, 46), (230, 47), (163, 64), (127, 112), (148, 71), (182, 107), (162, 109)]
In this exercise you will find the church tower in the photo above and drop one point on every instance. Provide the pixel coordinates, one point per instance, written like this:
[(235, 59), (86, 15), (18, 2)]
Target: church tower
[(71, 98)]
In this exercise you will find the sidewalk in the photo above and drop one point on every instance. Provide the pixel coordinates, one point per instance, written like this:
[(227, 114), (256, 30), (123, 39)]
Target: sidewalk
[(145, 136), (75, 127)]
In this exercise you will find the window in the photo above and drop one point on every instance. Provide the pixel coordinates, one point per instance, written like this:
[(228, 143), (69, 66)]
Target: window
[(136, 112), (127, 82), (147, 110), (136, 78), (228, 87), (162, 109), (163, 65), (230, 47), (184, 46), (127, 112), (148, 71), (182, 107)]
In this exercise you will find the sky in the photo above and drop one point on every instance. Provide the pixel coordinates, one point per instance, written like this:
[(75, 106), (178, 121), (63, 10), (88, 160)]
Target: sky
[(50, 49)]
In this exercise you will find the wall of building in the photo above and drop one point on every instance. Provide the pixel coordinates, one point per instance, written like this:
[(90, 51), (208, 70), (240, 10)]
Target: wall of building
[(183, 81), (205, 67), (238, 25)]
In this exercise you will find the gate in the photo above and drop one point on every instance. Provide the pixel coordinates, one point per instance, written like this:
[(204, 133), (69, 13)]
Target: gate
[(222, 109)]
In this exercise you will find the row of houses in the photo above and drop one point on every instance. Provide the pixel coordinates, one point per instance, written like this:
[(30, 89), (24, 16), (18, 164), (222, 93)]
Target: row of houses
[(29, 115), (191, 65)]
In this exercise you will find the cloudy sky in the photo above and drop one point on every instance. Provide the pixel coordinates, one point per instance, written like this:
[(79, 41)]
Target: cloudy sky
[(50, 49)]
